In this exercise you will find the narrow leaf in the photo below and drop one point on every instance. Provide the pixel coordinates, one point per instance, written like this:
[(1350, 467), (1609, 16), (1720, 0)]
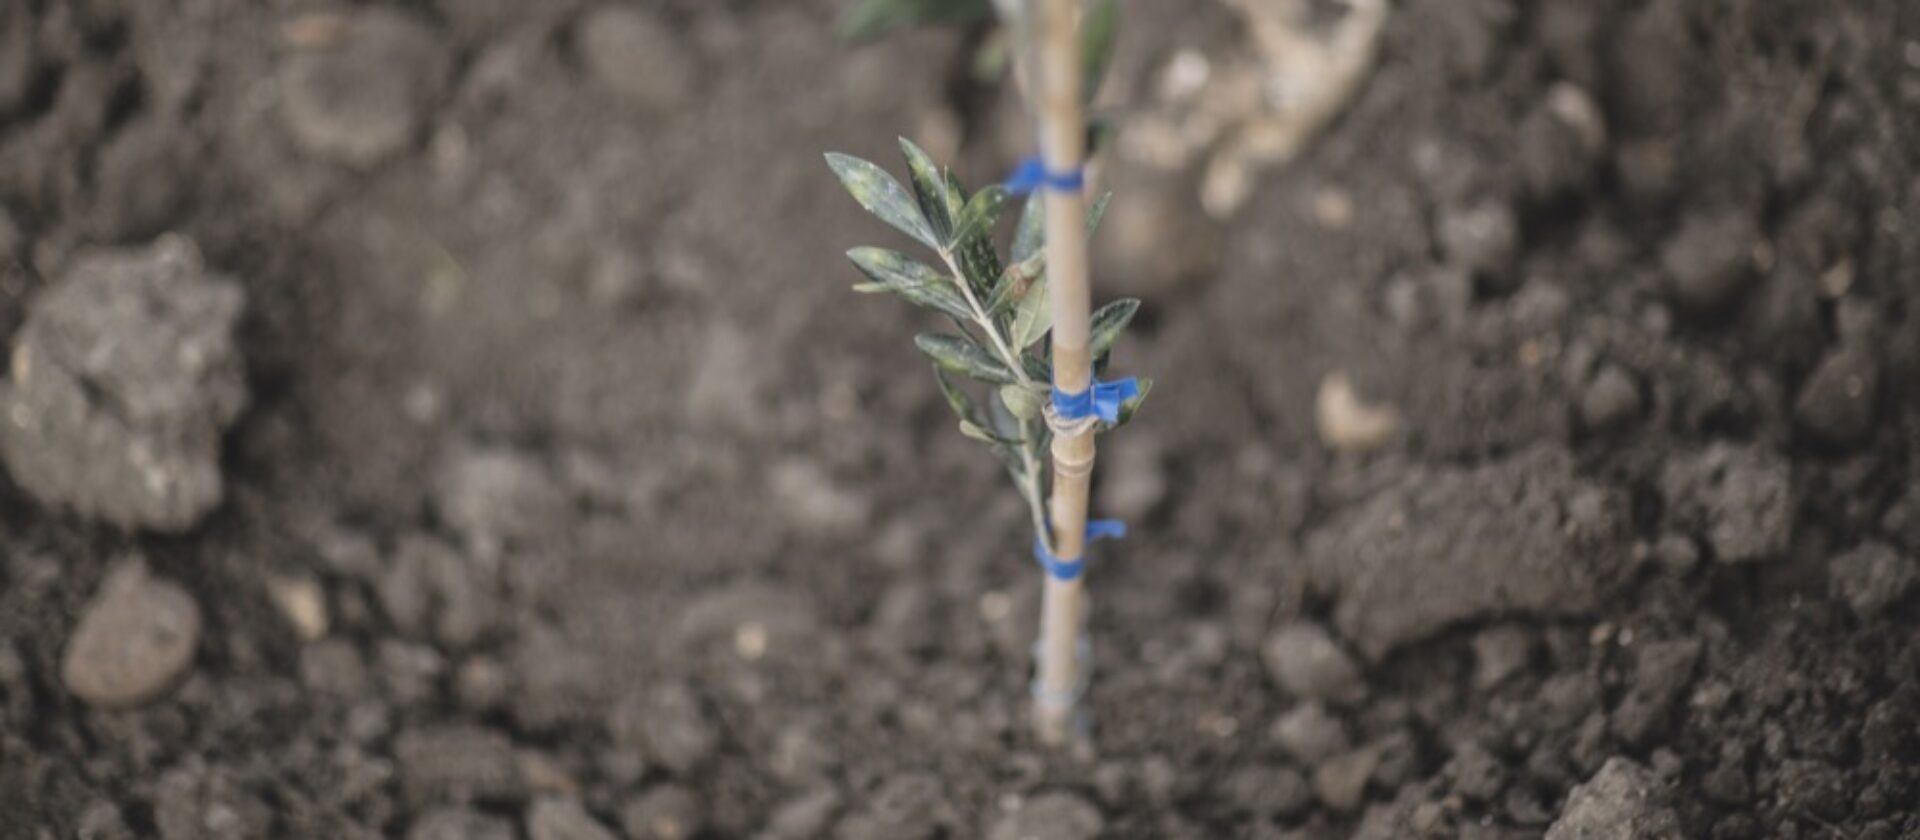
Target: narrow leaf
[(1025, 403), (882, 196), (1032, 317), (1107, 324), (930, 191), (1013, 284), (919, 283), (957, 399), (1030, 236), (958, 355), (985, 435), (1098, 32), (978, 219)]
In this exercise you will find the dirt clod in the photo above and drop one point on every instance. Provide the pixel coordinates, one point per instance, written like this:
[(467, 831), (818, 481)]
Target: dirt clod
[(456, 762), (134, 641), (363, 96), (123, 379), (1309, 733), (564, 819), (1621, 800), (1341, 782), (1871, 577), (459, 823), (1738, 497), (667, 812), (1309, 664), (1709, 261), (1836, 403), (1049, 816)]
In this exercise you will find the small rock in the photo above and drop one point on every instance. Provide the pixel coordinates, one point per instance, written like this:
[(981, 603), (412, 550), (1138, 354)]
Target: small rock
[(1677, 554), (456, 762), (1345, 423), (1309, 664), (1477, 774), (541, 774), (1837, 402), (1710, 261), (335, 667), (1481, 238), (1049, 816), (564, 819), (459, 823), (494, 496), (429, 586), (673, 726), (1620, 801), (135, 640), (192, 801), (1611, 400), (801, 818), (304, 604), (1739, 496), (1310, 734), (1561, 141), (1662, 671), (814, 501), (361, 97), (667, 812), (637, 55), (1265, 792), (124, 378), (1500, 652), (1341, 783), (1871, 577), (410, 672)]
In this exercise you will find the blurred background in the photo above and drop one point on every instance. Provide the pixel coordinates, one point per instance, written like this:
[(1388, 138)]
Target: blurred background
[(448, 419)]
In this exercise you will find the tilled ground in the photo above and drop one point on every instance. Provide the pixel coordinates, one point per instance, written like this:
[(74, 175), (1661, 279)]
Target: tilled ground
[(446, 419)]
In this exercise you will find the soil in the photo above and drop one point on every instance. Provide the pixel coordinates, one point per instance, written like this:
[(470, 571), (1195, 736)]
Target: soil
[(571, 495)]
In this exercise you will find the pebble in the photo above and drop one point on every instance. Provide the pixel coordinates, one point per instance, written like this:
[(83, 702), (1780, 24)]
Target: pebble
[(334, 667), (801, 818), (1482, 237), (1341, 782), (459, 823), (135, 640), (1049, 816), (1837, 402), (1266, 791), (1610, 401), (1500, 652), (1619, 801), (1740, 497), (364, 96), (1347, 423), (667, 812), (638, 56), (303, 603), (1709, 261), (1309, 664), (1310, 734), (1477, 774), (456, 762), (1871, 577), (564, 819)]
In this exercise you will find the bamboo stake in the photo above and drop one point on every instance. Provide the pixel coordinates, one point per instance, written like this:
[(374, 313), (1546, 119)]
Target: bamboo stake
[(1063, 147)]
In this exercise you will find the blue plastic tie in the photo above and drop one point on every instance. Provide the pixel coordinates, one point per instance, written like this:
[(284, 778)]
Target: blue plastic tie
[(1032, 175), (1059, 569), (1103, 400)]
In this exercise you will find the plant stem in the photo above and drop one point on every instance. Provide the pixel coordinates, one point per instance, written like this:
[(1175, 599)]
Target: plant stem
[(1063, 147), (985, 323)]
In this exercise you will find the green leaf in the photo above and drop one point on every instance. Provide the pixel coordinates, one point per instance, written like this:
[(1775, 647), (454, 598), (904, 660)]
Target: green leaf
[(882, 196), (931, 191), (1013, 284), (1132, 406), (1037, 367), (957, 399), (1107, 324), (1096, 211), (981, 214), (920, 284), (1032, 317), (1030, 236), (958, 355), (984, 435), (1025, 403), (1098, 32)]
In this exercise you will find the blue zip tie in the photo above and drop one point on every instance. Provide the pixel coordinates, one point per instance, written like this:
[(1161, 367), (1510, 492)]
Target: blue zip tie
[(1032, 175), (1102, 400), (1059, 569)]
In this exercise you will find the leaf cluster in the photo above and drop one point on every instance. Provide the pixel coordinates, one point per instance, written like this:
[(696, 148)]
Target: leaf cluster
[(997, 304)]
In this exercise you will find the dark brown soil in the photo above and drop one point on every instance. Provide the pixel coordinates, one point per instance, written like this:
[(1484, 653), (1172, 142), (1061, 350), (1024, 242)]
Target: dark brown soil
[(626, 517)]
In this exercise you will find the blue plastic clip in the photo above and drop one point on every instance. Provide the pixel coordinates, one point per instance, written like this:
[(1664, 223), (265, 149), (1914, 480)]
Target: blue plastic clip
[(1032, 175), (1102, 400), (1059, 569)]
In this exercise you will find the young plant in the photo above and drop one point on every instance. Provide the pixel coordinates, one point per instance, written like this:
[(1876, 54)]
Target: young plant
[(1018, 368)]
